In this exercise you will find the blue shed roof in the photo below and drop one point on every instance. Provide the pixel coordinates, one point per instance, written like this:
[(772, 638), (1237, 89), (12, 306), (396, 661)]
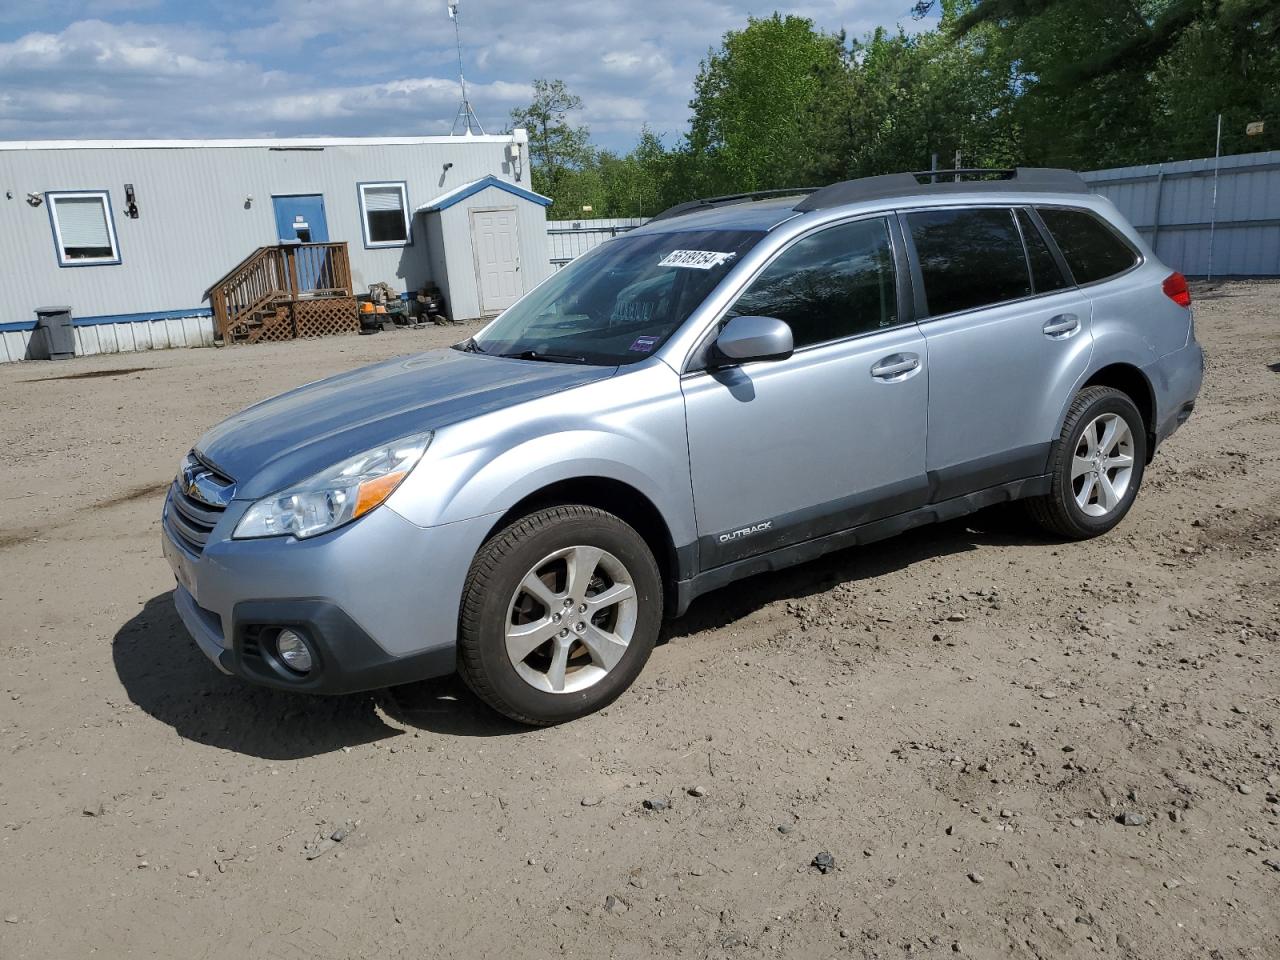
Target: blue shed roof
[(457, 194)]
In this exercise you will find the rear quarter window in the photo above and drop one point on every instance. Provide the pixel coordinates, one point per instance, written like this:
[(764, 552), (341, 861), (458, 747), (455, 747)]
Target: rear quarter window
[(1093, 250)]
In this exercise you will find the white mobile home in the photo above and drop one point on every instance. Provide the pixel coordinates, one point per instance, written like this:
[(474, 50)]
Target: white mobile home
[(136, 236)]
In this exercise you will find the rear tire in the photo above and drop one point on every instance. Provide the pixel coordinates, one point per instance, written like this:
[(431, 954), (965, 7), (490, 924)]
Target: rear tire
[(1097, 466), (560, 612)]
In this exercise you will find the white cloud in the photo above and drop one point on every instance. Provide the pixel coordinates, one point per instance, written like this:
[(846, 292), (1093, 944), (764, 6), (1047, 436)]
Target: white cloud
[(312, 67)]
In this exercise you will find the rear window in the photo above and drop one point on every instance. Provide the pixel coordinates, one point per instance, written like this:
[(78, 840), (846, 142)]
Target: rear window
[(969, 258), (1092, 249)]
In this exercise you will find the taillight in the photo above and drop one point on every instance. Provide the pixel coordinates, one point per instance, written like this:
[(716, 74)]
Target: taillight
[(1176, 289)]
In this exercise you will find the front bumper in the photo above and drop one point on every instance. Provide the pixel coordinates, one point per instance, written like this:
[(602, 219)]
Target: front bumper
[(345, 658), (377, 601)]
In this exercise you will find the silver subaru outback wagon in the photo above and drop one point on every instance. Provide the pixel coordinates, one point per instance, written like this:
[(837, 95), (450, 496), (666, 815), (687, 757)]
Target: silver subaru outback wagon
[(742, 384)]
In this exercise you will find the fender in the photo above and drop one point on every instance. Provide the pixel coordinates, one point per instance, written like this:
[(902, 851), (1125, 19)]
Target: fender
[(1112, 345), (629, 428)]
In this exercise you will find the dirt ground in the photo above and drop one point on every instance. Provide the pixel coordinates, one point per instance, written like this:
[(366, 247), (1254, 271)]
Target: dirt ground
[(1008, 746)]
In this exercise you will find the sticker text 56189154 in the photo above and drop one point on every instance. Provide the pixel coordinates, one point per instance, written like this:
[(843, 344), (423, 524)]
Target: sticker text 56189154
[(695, 259)]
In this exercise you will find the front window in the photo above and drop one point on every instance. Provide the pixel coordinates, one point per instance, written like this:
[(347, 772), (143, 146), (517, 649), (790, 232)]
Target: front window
[(385, 209), (620, 302), (838, 282), (82, 228)]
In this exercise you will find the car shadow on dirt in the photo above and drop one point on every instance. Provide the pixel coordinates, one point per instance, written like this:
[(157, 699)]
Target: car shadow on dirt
[(166, 675), (1001, 525)]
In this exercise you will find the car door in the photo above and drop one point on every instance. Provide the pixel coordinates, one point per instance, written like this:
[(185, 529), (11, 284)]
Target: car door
[(783, 451), (1007, 337)]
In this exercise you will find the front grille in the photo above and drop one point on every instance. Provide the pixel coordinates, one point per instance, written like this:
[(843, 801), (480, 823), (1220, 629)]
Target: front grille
[(191, 520)]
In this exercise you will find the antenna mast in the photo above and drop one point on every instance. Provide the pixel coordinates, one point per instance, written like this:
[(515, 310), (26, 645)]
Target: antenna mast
[(466, 116)]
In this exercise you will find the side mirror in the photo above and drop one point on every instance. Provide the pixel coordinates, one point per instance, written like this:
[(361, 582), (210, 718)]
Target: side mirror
[(744, 339)]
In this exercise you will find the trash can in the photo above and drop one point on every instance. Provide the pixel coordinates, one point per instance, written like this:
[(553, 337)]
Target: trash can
[(55, 332)]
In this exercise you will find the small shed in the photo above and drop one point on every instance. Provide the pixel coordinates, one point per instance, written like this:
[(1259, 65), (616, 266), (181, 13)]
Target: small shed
[(487, 241)]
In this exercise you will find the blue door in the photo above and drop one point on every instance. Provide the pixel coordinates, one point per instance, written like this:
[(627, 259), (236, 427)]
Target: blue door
[(300, 219)]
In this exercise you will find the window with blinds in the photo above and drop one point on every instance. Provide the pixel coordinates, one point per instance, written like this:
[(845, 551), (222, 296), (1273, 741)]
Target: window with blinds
[(82, 228), (385, 208)]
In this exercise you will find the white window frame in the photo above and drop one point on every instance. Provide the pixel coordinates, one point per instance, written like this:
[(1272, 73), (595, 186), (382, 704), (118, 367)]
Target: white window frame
[(403, 187), (104, 196)]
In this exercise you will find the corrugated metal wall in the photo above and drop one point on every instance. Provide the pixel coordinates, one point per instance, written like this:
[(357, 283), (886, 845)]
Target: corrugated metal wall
[(195, 221), (1171, 204), (129, 337)]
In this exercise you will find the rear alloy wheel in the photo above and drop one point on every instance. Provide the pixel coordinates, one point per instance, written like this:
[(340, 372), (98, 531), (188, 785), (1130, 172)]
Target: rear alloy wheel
[(1097, 466), (560, 613), (1102, 466)]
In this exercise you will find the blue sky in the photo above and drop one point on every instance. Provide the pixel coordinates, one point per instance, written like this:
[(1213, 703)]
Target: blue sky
[(228, 68)]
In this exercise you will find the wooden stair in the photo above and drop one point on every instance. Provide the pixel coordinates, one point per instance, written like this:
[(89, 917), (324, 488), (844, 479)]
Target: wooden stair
[(286, 291)]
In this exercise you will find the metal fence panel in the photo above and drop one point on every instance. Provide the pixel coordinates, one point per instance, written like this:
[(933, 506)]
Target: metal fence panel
[(1172, 206), (569, 239)]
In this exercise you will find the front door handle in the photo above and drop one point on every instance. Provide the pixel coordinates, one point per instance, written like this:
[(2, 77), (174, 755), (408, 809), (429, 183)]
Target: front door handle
[(1062, 326), (897, 366)]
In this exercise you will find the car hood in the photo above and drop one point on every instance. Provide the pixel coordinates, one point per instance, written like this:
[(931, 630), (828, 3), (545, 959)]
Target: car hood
[(284, 440)]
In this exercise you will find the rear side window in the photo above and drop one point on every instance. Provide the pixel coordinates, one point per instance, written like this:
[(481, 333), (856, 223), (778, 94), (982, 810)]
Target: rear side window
[(969, 258), (1045, 272), (1092, 249), (832, 284)]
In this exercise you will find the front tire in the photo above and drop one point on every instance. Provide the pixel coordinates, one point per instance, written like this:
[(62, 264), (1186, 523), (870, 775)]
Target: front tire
[(560, 612), (1097, 466)]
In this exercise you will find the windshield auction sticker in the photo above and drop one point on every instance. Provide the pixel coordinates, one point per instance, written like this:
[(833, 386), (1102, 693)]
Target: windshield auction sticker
[(695, 259)]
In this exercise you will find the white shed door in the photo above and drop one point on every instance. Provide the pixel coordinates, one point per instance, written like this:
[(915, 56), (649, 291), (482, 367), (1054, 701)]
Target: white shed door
[(495, 238)]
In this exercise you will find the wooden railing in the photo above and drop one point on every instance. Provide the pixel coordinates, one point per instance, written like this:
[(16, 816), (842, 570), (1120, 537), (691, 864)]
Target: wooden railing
[(272, 277)]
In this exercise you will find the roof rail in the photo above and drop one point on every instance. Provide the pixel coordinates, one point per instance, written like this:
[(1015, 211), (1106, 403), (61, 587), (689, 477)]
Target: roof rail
[(1047, 179), (680, 209)]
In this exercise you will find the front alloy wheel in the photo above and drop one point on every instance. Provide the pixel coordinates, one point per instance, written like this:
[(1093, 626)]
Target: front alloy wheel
[(559, 614), (571, 619)]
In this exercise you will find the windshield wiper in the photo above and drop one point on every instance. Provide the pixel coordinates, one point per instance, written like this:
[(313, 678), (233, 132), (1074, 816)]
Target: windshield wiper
[(470, 346), (549, 357)]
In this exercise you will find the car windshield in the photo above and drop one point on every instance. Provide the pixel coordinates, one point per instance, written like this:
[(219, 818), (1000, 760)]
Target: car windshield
[(619, 302)]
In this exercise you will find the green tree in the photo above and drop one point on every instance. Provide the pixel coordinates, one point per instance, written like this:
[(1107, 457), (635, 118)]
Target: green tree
[(750, 98), (898, 99), (558, 148), (1110, 82)]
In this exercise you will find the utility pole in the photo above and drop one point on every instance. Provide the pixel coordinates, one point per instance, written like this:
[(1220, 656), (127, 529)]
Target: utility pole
[(1213, 215), (466, 116)]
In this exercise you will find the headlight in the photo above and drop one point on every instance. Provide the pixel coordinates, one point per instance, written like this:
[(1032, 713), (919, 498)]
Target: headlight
[(338, 495)]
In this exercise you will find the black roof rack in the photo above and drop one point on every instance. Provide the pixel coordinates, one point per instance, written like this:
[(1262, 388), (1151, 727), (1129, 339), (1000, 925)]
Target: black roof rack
[(1021, 179), (680, 209), (1011, 179)]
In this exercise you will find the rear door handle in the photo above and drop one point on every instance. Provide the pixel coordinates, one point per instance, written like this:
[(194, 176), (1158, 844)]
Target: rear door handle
[(897, 366), (1062, 326)]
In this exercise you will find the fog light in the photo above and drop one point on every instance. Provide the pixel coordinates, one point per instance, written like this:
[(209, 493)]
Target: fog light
[(294, 651)]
